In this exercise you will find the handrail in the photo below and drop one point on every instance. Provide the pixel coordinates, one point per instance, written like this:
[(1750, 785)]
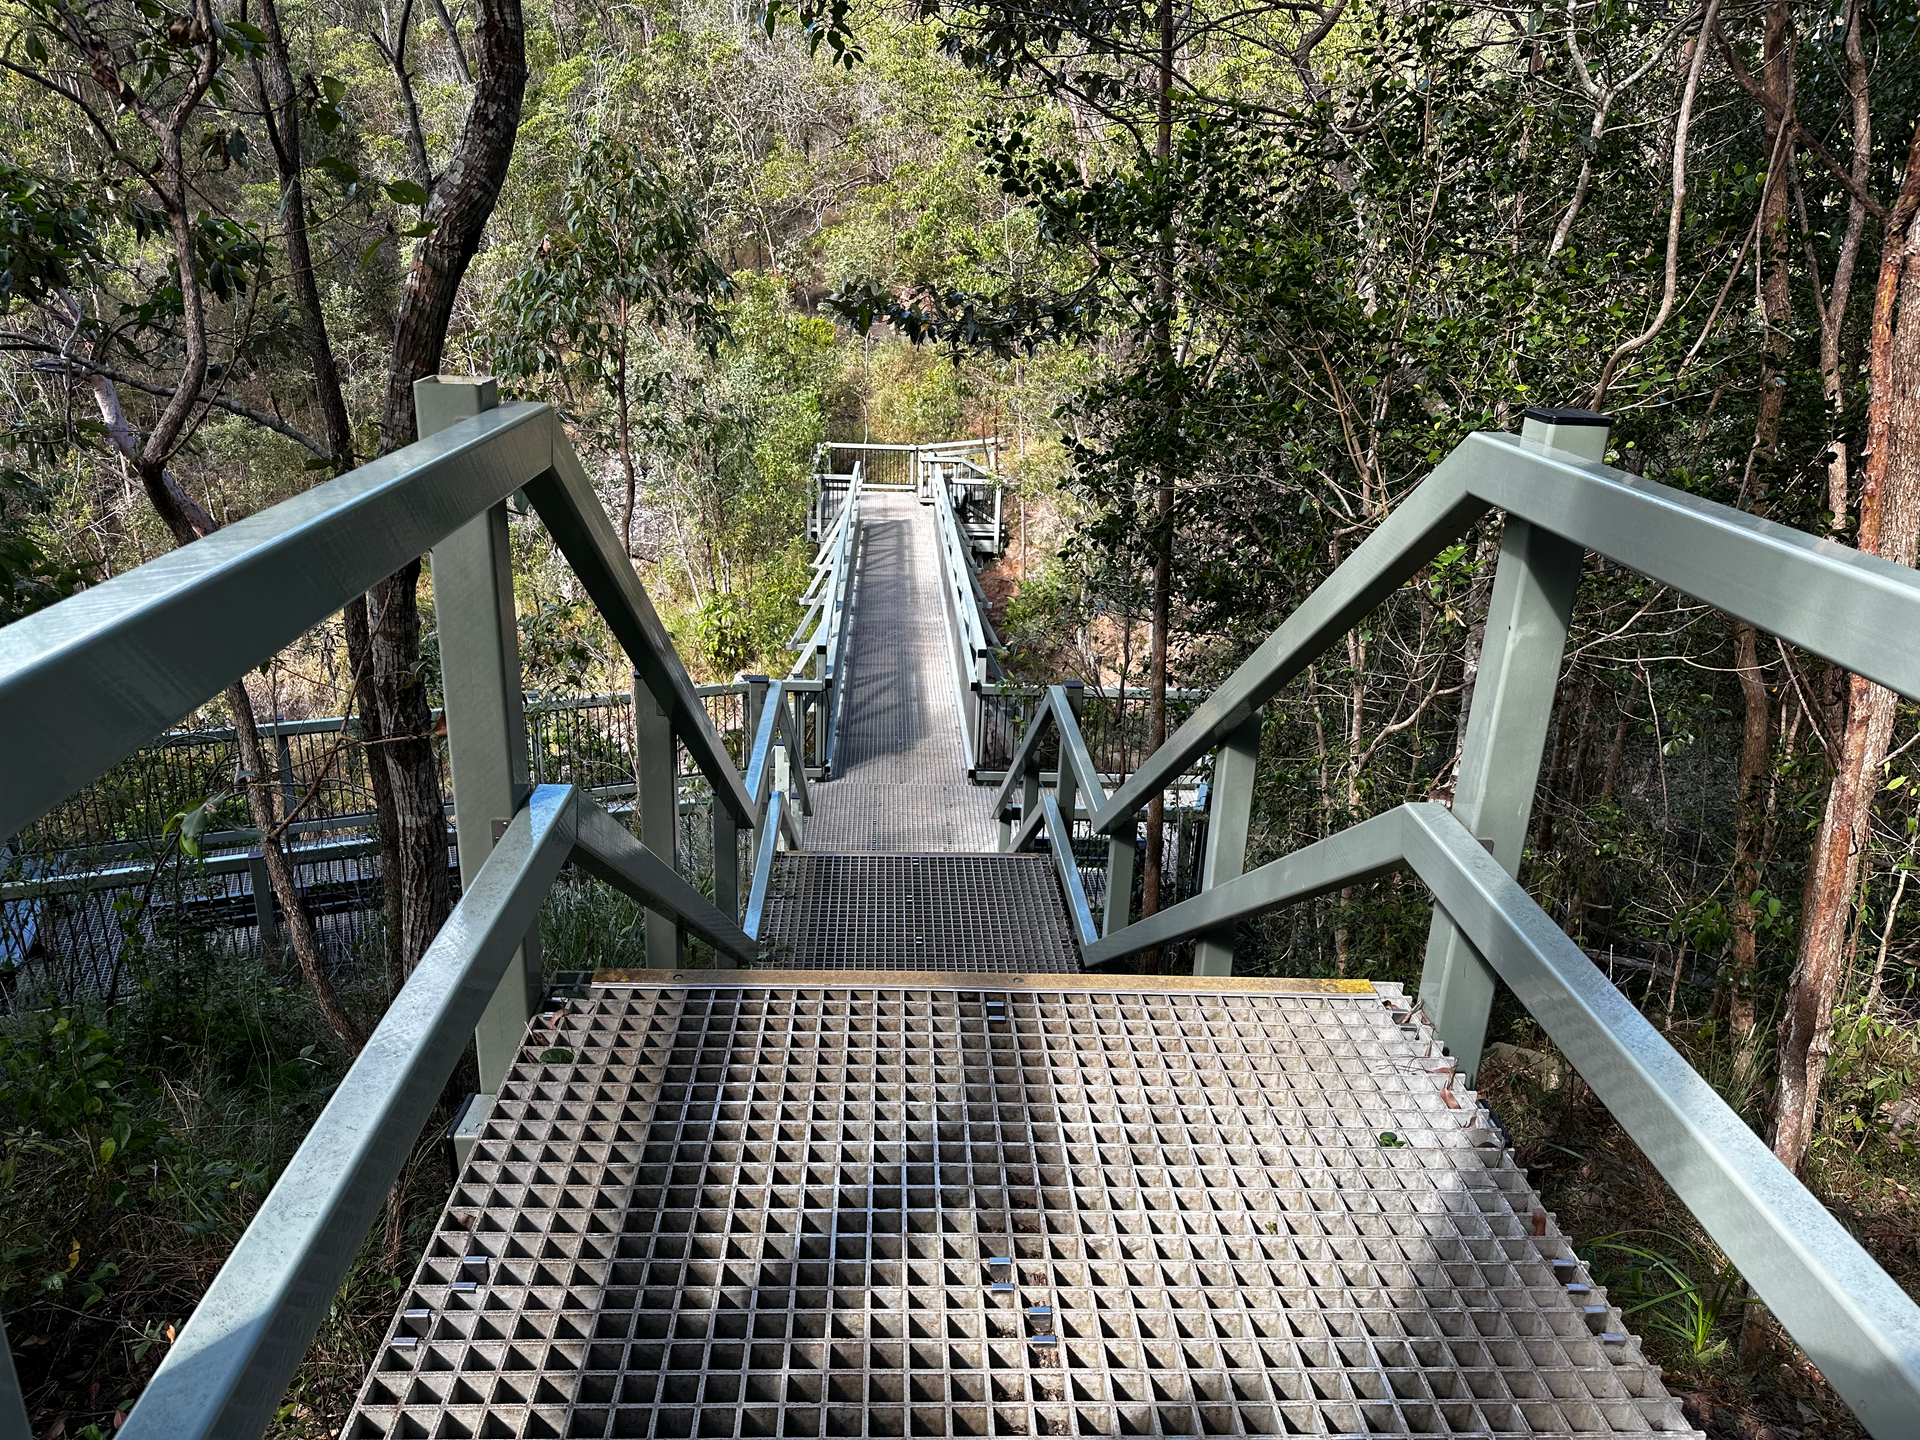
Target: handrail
[(1055, 714), (771, 804), (821, 633), (1858, 611), (1060, 842), (1855, 1323), (230, 1365), (971, 633), (86, 682)]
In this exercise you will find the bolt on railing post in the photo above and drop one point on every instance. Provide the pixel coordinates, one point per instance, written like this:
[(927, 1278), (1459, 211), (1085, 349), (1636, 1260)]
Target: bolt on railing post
[(657, 805), (486, 718), (1526, 637), (1230, 811)]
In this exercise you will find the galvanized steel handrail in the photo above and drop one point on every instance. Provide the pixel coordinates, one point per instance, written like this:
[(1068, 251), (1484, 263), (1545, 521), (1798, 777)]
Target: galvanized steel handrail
[(86, 682), (820, 636), (1853, 1320), (1858, 611), (974, 642), (225, 1373), (771, 802)]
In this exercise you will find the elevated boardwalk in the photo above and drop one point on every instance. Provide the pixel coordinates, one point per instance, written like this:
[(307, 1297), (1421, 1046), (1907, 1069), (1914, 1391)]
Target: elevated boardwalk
[(921, 1177), (902, 786)]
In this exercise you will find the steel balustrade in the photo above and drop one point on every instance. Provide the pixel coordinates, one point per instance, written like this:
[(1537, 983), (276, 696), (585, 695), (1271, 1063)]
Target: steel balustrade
[(1860, 612), (89, 681), (821, 634)]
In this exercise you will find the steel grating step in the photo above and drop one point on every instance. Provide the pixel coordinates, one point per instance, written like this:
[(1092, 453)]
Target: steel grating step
[(759, 1204), (993, 913)]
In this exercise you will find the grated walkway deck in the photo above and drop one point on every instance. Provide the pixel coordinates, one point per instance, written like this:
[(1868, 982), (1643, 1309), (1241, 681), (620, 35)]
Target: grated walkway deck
[(991, 913), (793, 1204), (901, 777)]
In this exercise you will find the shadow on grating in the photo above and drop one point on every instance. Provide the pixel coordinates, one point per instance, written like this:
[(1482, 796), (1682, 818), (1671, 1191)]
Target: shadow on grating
[(997, 913), (744, 1210)]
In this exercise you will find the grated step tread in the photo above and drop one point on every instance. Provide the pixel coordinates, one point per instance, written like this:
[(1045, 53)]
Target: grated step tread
[(994, 913), (737, 1207)]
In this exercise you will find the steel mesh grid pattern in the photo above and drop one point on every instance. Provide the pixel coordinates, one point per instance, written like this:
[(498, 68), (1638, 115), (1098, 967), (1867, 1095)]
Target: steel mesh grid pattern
[(994, 913), (771, 1211), (901, 774)]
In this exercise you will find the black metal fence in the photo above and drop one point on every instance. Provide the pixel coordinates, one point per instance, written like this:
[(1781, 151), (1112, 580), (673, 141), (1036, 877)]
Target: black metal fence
[(98, 887)]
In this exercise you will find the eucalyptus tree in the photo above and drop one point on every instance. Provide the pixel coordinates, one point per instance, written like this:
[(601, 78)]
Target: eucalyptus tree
[(626, 263)]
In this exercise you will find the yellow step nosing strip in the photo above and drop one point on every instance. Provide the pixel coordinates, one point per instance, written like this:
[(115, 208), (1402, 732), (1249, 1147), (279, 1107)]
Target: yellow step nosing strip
[(975, 980)]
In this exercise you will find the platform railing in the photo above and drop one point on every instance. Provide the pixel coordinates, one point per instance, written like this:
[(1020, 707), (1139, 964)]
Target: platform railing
[(972, 643), (1857, 611), (821, 636), (777, 783), (92, 679)]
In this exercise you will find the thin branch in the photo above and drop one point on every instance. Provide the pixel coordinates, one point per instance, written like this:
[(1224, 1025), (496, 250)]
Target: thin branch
[(73, 365), (1672, 279), (1780, 116)]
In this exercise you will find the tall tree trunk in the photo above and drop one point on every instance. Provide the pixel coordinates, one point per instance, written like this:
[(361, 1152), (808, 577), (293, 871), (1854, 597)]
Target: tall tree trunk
[(1756, 740), (1889, 509), (282, 113), (1777, 301), (301, 934), (259, 771), (1163, 498), (462, 200), (626, 436)]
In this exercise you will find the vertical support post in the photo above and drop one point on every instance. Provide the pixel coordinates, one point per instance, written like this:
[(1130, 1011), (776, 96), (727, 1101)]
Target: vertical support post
[(657, 803), (756, 704), (486, 720), (1123, 854), (1229, 815), (262, 885), (1067, 786), (726, 868), (1526, 636)]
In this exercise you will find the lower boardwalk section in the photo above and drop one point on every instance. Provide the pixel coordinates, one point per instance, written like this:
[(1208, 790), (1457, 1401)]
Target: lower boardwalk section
[(900, 775), (798, 1204), (917, 912)]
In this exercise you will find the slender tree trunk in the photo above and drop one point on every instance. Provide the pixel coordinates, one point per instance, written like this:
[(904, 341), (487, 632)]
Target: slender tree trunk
[(1889, 509), (1163, 498), (626, 438), (462, 201), (1757, 726), (1756, 743), (282, 113), (305, 941)]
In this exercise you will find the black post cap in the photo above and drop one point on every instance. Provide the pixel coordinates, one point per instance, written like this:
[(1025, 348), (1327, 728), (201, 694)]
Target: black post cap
[(1567, 415)]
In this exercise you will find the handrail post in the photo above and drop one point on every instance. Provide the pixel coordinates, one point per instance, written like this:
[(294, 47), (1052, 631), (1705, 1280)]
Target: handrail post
[(1526, 637), (657, 806), (1230, 814), (1067, 785), (486, 719)]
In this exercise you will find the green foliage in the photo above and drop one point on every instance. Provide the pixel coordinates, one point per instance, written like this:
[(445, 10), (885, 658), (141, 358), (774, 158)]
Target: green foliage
[(1663, 1283), (50, 234)]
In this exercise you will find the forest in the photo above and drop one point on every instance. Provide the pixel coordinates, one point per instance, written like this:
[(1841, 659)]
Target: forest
[(1226, 279)]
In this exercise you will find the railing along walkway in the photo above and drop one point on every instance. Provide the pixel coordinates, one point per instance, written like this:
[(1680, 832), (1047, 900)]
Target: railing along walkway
[(901, 783)]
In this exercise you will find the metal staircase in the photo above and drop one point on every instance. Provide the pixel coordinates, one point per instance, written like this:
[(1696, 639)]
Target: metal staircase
[(922, 1169)]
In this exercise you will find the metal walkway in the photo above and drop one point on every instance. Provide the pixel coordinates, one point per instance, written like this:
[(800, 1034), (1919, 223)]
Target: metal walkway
[(845, 1202), (902, 780), (981, 913), (794, 1204)]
